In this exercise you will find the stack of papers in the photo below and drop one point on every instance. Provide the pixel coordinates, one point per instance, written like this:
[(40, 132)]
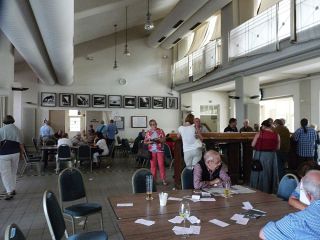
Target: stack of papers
[(240, 219), (219, 223), (144, 222), (182, 230), (247, 205), (254, 213)]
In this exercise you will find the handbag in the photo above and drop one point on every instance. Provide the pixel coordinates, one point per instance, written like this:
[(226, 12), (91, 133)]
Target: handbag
[(256, 165)]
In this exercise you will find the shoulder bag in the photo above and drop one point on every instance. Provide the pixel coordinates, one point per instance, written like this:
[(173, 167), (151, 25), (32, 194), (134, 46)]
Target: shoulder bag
[(256, 164)]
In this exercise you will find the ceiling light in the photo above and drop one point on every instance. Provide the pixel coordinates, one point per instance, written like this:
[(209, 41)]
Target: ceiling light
[(126, 51), (115, 65), (148, 24)]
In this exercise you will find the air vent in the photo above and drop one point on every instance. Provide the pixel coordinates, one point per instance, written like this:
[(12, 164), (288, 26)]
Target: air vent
[(196, 25), (177, 40), (161, 39), (177, 24)]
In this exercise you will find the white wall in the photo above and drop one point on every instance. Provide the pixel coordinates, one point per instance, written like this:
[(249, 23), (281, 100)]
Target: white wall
[(315, 101), (212, 98), (146, 71)]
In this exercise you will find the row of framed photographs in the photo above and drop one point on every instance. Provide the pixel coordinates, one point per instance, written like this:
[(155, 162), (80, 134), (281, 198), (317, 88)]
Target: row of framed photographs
[(100, 101)]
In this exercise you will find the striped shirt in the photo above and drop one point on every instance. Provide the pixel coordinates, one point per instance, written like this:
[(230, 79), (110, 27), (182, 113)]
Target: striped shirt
[(300, 225), (306, 142)]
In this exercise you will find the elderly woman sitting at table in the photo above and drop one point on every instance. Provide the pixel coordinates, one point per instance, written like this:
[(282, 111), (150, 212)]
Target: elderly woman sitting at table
[(208, 172)]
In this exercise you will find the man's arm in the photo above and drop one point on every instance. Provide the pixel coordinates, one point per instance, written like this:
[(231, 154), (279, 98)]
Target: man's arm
[(295, 202)]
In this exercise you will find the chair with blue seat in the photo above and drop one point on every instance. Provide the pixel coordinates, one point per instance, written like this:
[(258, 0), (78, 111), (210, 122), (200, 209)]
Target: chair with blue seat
[(187, 179), (139, 181), (84, 154), (64, 155), (56, 223), (71, 188), (13, 232), (29, 161), (287, 185)]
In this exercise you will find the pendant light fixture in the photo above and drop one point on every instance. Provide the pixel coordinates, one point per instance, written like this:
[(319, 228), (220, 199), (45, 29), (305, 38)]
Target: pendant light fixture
[(148, 24), (126, 51), (115, 65)]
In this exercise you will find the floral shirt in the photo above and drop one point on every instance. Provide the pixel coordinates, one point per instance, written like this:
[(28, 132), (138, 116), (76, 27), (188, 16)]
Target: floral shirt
[(152, 134)]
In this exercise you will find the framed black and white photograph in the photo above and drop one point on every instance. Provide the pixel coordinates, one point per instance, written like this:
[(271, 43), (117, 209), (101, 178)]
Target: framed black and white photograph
[(144, 102), (99, 101), (82, 100), (129, 101), (66, 100), (138, 121), (114, 101), (172, 103), (48, 99), (158, 102)]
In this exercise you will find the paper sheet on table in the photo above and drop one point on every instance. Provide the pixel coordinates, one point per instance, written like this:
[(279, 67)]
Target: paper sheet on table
[(205, 194), (192, 199), (215, 191), (181, 230), (124, 204), (195, 229), (176, 219), (219, 223), (207, 199), (242, 221), (174, 199), (236, 217), (195, 197), (144, 222), (241, 189), (247, 205), (193, 220)]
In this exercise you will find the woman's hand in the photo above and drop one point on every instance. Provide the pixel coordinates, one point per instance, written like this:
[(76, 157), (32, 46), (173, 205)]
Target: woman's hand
[(215, 181)]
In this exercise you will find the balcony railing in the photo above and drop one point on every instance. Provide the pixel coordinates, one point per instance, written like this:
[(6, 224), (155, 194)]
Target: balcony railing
[(262, 33), (198, 63)]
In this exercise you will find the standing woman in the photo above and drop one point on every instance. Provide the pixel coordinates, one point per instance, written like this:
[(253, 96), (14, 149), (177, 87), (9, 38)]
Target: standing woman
[(266, 143), (306, 139), (11, 145), (191, 142), (155, 138)]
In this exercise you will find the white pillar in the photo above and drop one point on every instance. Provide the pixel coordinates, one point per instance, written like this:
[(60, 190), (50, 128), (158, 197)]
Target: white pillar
[(247, 106), (6, 70)]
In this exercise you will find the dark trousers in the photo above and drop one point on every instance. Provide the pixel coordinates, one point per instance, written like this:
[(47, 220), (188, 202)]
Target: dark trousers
[(109, 143), (282, 158)]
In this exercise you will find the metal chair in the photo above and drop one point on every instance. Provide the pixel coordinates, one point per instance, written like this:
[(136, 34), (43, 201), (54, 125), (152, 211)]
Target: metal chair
[(13, 232), (56, 223), (168, 154), (187, 179), (287, 185), (139, 181), (36, 144), (71, 188), (64, 154), (84, 154), (30, 161)]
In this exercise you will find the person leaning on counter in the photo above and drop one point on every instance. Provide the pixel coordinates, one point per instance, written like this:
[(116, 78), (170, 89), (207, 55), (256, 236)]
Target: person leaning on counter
[(208, 172)]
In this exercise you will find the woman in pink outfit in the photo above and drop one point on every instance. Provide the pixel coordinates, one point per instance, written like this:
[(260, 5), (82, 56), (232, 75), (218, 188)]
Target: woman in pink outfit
[(155, 138)]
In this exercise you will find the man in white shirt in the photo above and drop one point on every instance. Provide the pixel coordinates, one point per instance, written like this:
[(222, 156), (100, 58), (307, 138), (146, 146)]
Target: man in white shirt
[(63, 141)]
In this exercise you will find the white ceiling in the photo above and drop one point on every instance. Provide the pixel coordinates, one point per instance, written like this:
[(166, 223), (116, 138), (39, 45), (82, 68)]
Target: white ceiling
[(95, 18), (294, 71)]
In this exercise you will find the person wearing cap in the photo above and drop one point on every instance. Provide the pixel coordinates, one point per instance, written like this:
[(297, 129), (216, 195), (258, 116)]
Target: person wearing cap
[(11, 146)]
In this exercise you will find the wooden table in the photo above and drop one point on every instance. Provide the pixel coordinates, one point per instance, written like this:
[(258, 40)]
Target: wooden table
[(222, 209)]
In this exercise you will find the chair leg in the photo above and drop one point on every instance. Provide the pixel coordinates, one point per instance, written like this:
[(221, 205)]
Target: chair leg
[(91, 160), (57, 166), (73, 226), (171, 163), (102, 228), (23, 169), (85, 223)]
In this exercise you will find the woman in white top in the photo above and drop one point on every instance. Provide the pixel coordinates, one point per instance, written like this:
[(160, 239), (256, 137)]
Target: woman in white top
[(103, 150), (192, 142)]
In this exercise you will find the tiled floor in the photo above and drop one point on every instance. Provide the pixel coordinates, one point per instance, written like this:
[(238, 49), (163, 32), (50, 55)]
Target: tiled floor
[(26, 208)]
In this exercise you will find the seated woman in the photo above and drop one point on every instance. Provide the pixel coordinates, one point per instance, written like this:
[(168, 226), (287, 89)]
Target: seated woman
[(298, 197), (103, 149), (208, 172)]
